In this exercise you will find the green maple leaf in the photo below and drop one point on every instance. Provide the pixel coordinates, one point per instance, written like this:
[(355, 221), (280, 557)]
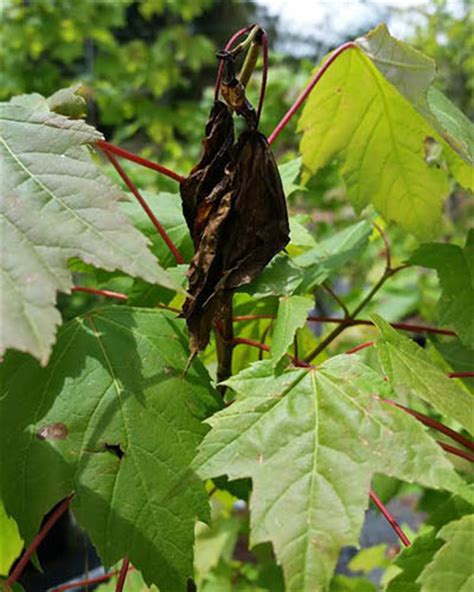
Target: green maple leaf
[(370, 111), (289, 172), (455, 267), (56, 204), (451, 567), (412, 560), (291, 316), (332, 254), (324, 432), (410, 369), (114, 419)]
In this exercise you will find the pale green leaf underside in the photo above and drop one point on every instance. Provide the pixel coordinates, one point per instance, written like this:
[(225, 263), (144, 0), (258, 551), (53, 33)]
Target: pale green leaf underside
[(455, 267), (378, 138), (410, 370), (289, 172), (56, 204), (324, 432), (452, 566), (114, 385), (291, 316), (405, 67), (332, 254), (412, 74)]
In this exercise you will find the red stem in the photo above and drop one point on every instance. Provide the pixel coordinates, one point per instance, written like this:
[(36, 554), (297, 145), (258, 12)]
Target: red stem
[(312, 83), (228, 45), (97, 292), (432, 423), (359, 347), (461, 375), (390, 519), (107, 147), (266, 348), (263, 86), (85, 583), (251, 342), (123, 575), (25, 558), (452, 450), (129, 183), (350, 322)]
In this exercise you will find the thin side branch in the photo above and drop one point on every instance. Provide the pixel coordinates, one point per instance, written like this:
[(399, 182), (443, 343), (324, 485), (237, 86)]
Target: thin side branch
[(388, 273), (97, 292), (390, 519), (359, 347), (111, 148), (352, 322), (266, 348), (85, 583), (303, 96), (129, 183), (333, 294), (456, 451), (435, 425), (388, 254), (263, 86)]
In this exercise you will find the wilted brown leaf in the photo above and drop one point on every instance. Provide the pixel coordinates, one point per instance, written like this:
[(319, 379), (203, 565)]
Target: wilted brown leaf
[(246, 224)]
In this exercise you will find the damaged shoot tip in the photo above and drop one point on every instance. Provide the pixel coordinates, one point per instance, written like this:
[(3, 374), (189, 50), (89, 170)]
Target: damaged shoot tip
[(233, 202)]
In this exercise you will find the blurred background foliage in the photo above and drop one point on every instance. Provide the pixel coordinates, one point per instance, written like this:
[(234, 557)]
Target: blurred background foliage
[(147, 69)]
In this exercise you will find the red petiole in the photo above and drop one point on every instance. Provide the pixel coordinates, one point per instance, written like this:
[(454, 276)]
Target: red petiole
[(390, 519), (129, 183), (122, 575), (27, 555), (111, 148)]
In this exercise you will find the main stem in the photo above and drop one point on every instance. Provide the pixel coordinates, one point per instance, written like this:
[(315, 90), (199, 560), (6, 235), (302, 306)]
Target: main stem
[(224, 346)]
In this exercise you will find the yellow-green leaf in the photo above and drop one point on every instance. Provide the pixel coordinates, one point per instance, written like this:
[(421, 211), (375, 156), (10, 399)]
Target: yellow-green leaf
[(354, 114)]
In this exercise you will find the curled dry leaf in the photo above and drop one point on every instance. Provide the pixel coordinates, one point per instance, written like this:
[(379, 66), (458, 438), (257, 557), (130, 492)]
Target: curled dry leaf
[(236, 211)]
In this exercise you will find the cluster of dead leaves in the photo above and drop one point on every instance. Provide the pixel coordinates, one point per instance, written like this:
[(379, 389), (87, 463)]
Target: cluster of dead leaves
[(235, 209)]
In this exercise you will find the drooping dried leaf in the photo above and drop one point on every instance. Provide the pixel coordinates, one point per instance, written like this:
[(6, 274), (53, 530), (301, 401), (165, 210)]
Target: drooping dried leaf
[(198, 186), (246, 227)]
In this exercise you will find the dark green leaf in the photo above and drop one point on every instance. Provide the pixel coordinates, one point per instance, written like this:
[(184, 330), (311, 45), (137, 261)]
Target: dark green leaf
[(291, 316), (113, 418), (455, 268), (451, 567)]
